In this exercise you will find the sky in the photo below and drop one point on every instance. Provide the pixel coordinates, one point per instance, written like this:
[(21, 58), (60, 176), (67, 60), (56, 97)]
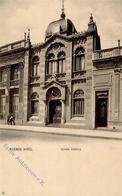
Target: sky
[(16, 16)]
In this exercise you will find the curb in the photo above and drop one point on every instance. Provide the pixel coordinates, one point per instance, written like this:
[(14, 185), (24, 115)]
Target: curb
[(67, 132)]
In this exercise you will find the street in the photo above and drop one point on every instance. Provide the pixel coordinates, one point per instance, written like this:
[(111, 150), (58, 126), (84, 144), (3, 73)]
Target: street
[(33, 164)]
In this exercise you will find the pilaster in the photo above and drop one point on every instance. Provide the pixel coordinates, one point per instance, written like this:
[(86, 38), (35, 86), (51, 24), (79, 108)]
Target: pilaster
[(25, 88), (7, 91), (21, 70), (63, 112), (68, 81), (117, 94), (121, 96)]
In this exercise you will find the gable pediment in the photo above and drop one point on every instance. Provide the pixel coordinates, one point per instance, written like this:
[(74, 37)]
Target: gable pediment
[(56, 37), (54, 83)]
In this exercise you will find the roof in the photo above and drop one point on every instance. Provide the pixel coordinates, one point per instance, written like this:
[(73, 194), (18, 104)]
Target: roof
[(61, 26)]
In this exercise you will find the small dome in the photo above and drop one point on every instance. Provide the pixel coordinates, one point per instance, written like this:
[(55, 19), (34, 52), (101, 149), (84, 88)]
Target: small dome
[(62, 26)]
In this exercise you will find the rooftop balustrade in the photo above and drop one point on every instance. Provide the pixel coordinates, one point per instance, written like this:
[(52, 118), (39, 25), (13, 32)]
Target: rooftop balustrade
[(107, 53), (12, 46)]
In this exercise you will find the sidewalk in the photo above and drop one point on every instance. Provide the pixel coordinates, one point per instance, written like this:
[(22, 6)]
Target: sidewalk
[(103, 134)]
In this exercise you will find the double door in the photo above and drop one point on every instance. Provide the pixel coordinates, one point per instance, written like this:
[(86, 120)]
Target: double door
[(55, 112)]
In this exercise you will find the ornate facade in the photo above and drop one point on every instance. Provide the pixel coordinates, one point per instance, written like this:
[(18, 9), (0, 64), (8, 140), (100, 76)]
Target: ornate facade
[(67, 80)]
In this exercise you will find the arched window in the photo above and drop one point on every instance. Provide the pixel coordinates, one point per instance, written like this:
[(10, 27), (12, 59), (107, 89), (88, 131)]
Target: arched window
[(35, 66), (34, 103), (50, 68), (79, 60), (61, 62), (78, 103)]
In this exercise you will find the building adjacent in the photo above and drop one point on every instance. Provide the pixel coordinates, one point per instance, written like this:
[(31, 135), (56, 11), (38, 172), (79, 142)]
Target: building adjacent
[(67, 80)]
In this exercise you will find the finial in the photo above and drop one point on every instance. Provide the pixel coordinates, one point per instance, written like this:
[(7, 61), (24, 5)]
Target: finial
[(28, 34), (119, 43), (91, 18), (25, 35), (62, 10)]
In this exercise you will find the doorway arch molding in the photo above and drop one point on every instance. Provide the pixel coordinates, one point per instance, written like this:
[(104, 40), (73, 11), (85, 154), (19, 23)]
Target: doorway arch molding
[(55, 95), (54, 85)]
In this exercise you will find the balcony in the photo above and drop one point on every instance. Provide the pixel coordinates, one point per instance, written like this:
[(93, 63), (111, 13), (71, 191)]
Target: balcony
[(35, 79), (2, 84), (14, 82), (55, 76), (109, 54), (79, 74)]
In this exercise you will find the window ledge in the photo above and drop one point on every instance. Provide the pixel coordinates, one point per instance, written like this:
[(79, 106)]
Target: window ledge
[(34, 79), (78, 117), (62, 73), (34, 117), (34, 114), (80, 71)]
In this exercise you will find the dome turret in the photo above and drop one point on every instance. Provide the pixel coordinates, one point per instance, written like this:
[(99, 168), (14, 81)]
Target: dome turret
[(62, 26)]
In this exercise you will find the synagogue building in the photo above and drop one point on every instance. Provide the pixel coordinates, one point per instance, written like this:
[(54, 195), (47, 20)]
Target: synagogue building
[(67, 80)]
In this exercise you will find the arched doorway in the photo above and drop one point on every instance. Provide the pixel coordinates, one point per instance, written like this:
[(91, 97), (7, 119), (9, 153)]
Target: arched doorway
[(55, 112), (54, 106)]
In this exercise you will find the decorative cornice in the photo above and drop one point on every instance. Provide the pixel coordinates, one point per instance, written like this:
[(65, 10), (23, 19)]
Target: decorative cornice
[(66, 38), (117, 70), (54, 37)]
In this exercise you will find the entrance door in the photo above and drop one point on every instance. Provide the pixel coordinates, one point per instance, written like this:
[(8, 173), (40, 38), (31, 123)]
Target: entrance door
[(101, 109), (55, 112)]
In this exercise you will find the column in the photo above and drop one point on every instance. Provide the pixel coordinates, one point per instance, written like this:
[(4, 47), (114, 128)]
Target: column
[(46, 113), (120, 115), (117, 94), (25, 87), (63, 112), (7, 90), (21, 70)]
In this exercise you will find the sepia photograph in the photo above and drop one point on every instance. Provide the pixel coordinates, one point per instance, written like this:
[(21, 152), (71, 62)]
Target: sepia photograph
[(61, 98)]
